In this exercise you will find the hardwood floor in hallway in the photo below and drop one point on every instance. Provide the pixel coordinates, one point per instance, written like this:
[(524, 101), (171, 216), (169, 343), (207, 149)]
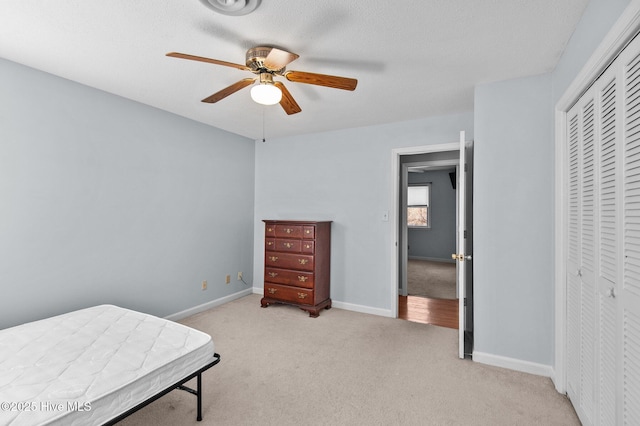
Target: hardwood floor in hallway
[(441, 312)]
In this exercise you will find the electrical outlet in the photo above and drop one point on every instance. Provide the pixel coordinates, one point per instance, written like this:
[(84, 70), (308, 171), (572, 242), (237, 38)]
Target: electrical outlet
[(239, 276), (228, 279), (204, 284)]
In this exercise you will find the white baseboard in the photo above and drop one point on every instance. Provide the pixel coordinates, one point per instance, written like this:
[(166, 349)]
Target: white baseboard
[(558, 384), (200, 308), (513, 364), (347, 306), (361, 308), (432, 259)]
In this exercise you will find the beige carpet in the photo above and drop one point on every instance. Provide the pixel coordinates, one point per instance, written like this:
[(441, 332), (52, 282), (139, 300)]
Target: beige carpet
[(280, 367), (426, 278)]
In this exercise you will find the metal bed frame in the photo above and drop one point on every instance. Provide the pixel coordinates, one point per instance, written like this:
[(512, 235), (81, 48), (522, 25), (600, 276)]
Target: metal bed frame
[(179, 385)]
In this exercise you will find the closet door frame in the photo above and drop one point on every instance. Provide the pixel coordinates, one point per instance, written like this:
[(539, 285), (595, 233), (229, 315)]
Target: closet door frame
[(614, 42)]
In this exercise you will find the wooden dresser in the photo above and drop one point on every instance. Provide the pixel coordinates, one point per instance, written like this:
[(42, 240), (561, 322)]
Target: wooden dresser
[(297, 258)]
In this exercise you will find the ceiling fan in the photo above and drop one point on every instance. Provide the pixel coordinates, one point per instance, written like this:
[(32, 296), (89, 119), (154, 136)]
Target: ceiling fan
[(267, 62)]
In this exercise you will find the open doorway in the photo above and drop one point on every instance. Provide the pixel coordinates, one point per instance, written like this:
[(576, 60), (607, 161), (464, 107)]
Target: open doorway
[(429, 281), (430, 287), (431, 231)]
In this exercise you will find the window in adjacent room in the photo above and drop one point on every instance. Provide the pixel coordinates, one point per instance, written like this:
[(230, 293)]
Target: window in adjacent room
[(418, 201)]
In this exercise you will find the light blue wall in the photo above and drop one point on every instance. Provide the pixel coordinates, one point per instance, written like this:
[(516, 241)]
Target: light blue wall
[(104, 200), (514, 199), (344, 176), (513, 219), (597, 20), (438, 241)]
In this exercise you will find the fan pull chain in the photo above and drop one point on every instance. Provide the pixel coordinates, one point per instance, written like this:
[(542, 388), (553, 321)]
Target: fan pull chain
[(263, 139)]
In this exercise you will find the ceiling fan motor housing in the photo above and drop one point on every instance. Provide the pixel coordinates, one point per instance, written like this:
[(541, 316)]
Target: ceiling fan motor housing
[(255, 60)]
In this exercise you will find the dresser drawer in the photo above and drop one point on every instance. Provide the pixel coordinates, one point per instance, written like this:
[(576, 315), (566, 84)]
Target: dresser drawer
[(308, 246), (270, 244), (289, 261), (289, 294), (288, 231), (309, 232), (270, 230), (279, 244), (293, 246), (288, 277)]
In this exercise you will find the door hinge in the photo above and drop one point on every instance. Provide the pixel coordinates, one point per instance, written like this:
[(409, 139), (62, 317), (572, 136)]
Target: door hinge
[(465, 167), (465, 301), (465, 233)]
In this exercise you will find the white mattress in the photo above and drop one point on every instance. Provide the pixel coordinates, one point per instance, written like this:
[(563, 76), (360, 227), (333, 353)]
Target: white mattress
[(105, 357)]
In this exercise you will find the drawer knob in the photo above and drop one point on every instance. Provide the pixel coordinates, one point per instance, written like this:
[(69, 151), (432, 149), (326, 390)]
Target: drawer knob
[(269, 243), (269, 229), (273, 274), (302, 278), (288, 230), (272, 290), (273, 258), (302, 295), (307, 246), (308, 231), (303, 261), (287, 245)]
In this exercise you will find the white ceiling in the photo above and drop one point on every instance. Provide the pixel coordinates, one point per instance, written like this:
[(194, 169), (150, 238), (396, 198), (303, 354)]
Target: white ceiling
[(412, 58)]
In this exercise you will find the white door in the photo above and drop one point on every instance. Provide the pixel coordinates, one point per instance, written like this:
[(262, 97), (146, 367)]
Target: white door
[(581, 261), (627, 292), (461, 256)]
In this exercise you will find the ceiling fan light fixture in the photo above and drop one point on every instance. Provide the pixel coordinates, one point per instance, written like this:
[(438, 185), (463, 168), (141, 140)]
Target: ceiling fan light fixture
[(266, 94), (232, 7)]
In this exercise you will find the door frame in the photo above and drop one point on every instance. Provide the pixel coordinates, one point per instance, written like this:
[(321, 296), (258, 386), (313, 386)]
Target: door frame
[(616, 39), (395, 214)]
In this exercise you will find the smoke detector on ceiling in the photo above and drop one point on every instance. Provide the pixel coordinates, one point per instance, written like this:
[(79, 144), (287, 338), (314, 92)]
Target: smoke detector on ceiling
[(232, 7)]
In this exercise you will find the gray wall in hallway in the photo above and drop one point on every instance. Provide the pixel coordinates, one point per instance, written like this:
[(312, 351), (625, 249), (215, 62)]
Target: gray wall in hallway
[(438, 241)]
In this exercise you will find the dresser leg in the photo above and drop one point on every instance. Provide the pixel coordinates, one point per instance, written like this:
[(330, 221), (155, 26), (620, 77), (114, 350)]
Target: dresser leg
[(314, 313)]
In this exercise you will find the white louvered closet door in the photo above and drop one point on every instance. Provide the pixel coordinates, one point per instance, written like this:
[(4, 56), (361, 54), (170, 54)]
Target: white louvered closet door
[(581, 292), (608, 232), (573, 258), (629, 293), (603, 251)]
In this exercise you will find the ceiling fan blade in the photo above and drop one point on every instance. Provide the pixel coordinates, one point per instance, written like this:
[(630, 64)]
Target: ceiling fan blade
[(333, 81), (278, 59), (209, 60), (229, 90), (287, 102)]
